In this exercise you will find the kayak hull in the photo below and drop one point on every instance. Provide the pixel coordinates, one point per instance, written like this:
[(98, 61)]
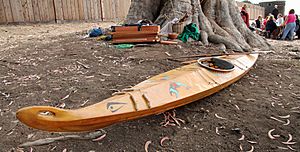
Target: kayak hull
[(158, 94)]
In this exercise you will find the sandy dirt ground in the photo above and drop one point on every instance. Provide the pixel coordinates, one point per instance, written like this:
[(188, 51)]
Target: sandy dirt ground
[(54, 65)]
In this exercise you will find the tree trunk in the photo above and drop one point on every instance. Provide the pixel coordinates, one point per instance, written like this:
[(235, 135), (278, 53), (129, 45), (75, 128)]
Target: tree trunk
[(220, 21)]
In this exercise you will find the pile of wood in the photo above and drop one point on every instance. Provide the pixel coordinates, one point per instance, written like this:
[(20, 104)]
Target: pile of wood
[(135, 34)]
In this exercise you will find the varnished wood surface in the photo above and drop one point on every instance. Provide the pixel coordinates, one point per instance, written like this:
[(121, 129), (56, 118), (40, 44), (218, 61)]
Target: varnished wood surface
[(160, 93)]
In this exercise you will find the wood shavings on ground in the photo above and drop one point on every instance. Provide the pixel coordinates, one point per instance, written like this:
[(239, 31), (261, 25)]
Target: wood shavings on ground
[(289, 141), (219, 117), (270, 134), (163, 140), (242, 138), (170, 119), (147, 145), (218, 128)]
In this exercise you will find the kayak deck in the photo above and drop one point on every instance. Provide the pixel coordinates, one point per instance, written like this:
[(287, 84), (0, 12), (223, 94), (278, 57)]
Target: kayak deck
[(155, 95)]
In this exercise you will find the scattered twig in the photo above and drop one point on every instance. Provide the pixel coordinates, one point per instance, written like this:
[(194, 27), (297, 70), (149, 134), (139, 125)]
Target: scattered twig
[(241, 148), (291, 148), (237, 107), (270, 134), (242, 138), (163, 139), (250, 99), (147, 145), (83, 65), (287, 123), (283, 148), (285, 117), (217, 129), (209, 55), (171, 120), (85, 102), (277, 119), (167, 53), (252, 142), (99, 138), (6, 95), (106, 75), (219, 117), (39, 142), (10, 131), (67, 96), (251, 150), (294, 108), (289, 141)]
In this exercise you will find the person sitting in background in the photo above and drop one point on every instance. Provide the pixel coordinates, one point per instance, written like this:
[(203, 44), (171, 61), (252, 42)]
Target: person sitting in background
[(265, 22), (280, 20), (270, 27), (290, 25), (258, 22), (245, 15)]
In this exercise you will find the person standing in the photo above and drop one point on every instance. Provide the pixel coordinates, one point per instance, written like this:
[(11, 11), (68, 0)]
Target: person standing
[(290, 25), (245, 15), (275, 11)]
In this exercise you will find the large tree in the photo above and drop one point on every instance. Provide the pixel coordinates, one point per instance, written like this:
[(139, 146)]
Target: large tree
[(220, 21)]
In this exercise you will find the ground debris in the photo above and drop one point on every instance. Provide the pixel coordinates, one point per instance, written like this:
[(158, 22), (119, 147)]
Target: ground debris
[(45, 141), (147, 145)]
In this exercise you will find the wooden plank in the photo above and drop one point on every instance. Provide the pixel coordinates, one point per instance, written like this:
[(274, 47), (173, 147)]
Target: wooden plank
[(27, 10), (136, 40), (105, 13), (8, 11), (58, 10), (72, 6), (88, 9), (117, 10), (85, 10), (51, 11), (65, 9), (69, 9), (100, 9), (81, 9), (41, 10), (124, 35), (69, 6), (113, 10), (96, 9), (76, 10), (24, 8), (36, 11), (92, 9), (30, 11), (17, 11), (2, 13)]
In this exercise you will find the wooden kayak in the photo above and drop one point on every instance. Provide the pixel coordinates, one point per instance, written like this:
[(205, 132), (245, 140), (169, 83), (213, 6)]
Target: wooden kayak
[(158, 94)]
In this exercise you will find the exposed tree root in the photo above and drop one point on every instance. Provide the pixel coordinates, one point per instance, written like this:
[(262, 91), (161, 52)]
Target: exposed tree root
[(219, 20)]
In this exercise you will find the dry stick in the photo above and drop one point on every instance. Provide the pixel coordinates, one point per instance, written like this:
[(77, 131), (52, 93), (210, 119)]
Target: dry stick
[(210, 55), (39, 142)]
